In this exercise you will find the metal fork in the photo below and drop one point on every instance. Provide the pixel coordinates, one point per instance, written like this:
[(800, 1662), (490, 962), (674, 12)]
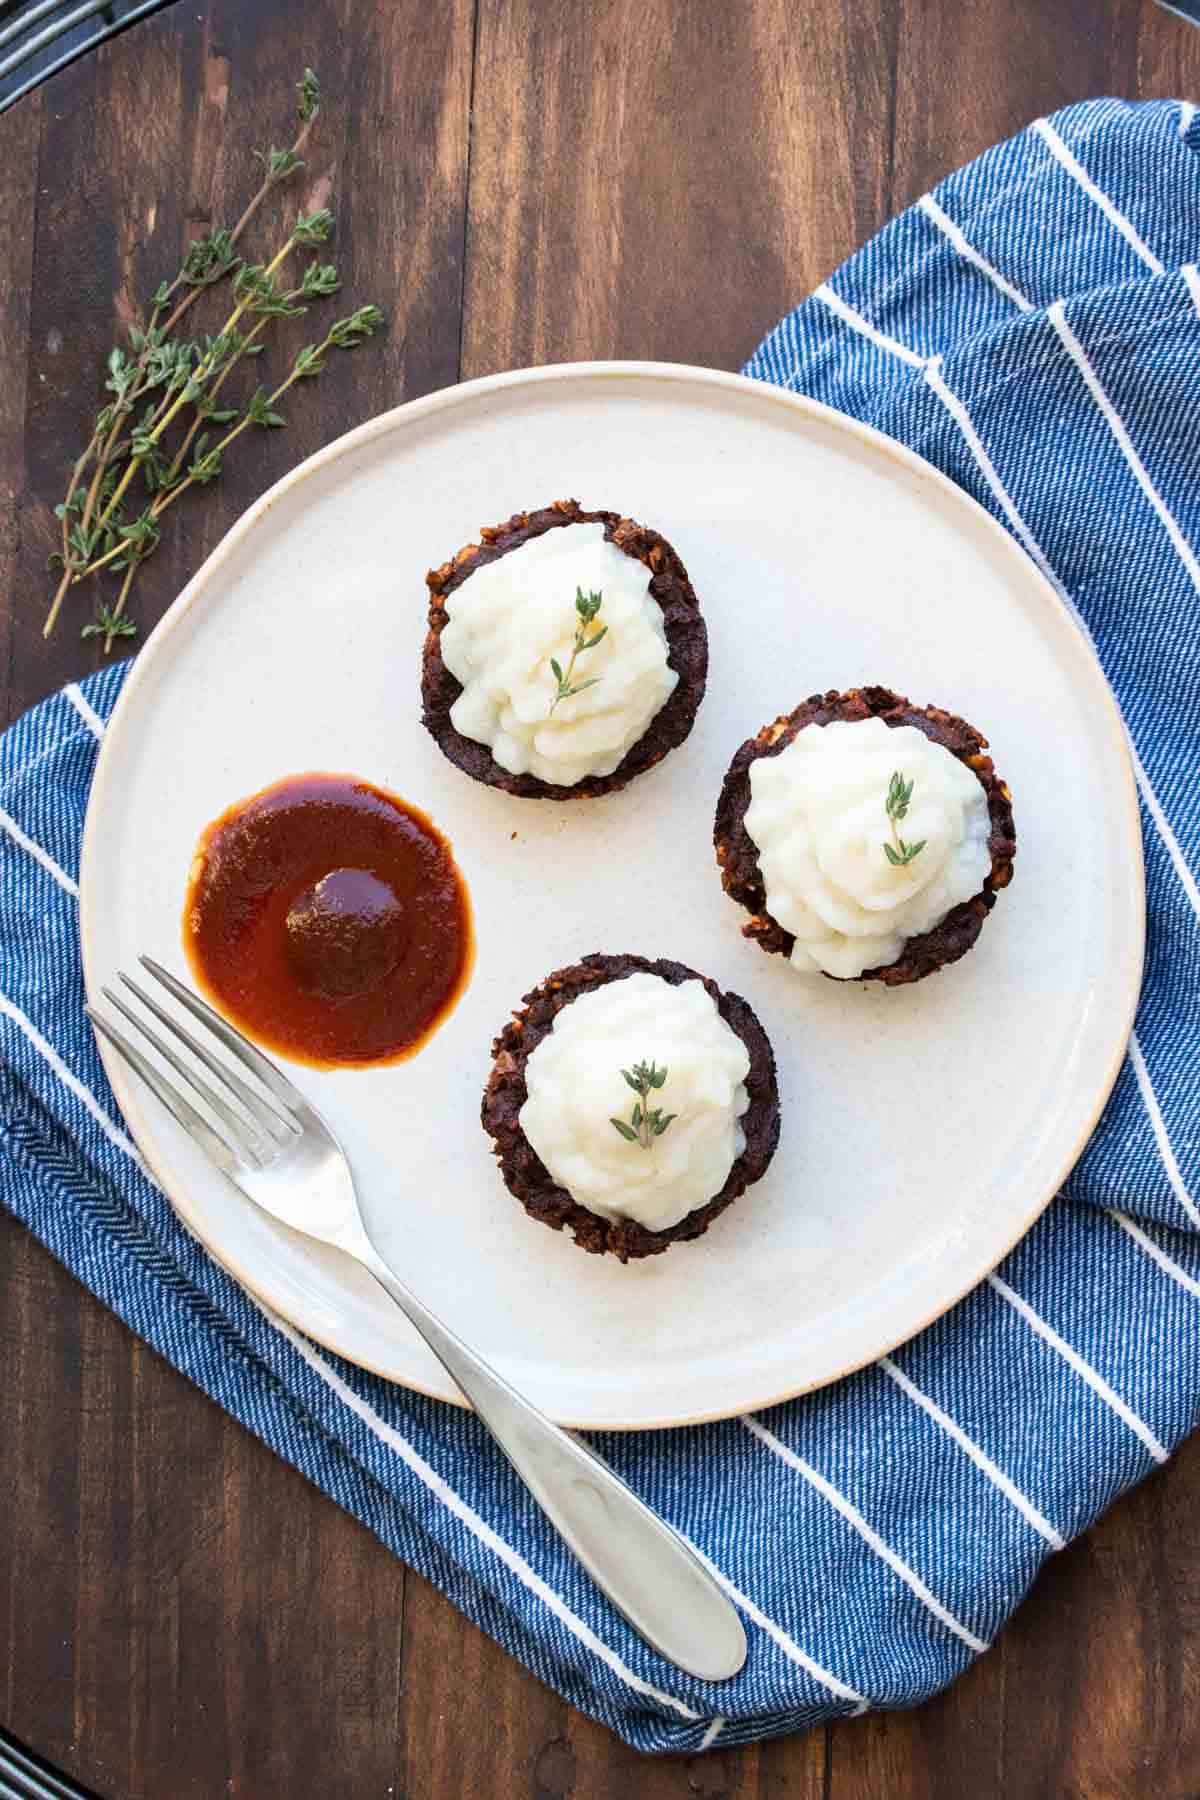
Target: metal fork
[(278, 1150)]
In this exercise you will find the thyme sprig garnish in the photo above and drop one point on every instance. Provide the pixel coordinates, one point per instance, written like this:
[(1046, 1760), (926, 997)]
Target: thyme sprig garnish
[(899, 794), (586, 608), (646, 1122), (164, 382)]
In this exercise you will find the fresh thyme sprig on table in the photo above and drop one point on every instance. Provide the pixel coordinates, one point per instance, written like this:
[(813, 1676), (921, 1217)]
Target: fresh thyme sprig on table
[(109, 626), (646, 1123), (899, 793), (169, 380), (586, 606)]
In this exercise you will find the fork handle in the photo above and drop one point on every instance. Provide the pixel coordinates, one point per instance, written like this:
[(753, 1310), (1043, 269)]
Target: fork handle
[(651, 1576)]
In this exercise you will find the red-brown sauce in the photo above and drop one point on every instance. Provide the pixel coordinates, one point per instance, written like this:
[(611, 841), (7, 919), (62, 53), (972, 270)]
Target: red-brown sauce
[(328, 920)]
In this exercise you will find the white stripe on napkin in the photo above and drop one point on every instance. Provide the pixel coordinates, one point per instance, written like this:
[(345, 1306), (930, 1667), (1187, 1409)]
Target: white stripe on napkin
[(39, 855), (1157, 1254), (969, 253), (980, 1458), (86, 1099), (856, 322), (1192, 279), (84, 708), (1082, 1368), (1112, 213), (777, 1634), (961, 417), (852, 1516), (1159, 1127), (1174, 849), (1124, 442)]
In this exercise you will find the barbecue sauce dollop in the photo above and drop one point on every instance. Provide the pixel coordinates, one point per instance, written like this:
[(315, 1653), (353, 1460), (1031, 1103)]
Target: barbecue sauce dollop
[(327, 919)]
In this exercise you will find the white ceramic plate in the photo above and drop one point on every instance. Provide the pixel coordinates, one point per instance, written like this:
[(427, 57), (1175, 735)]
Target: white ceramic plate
[(924, 1129)]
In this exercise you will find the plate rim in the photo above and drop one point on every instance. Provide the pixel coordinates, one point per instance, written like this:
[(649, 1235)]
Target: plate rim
[(1057, 607)]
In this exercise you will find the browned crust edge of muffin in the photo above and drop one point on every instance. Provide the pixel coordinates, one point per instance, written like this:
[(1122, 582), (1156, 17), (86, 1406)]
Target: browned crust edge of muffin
[(737, 853), (527, 1177), (687, 650)]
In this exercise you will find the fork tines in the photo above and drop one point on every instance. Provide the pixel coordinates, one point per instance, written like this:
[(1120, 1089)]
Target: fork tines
[(255, 1129)]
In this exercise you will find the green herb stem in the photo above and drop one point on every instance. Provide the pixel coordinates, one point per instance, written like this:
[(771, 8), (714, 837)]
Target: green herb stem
[(586, 608), (60, 594), (270, 180), (72, 485), (899, 796), (645, 1123), (110, 621)]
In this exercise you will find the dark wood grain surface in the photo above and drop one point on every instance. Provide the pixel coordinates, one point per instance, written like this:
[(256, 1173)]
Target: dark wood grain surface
[(516, 181)]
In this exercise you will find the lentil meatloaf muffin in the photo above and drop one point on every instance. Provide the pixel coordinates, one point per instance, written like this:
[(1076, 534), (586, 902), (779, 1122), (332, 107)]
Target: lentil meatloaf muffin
[(738, 857), (686, 634), (527, 1177)]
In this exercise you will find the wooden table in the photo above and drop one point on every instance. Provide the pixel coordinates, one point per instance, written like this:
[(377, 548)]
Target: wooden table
[(517, 181)]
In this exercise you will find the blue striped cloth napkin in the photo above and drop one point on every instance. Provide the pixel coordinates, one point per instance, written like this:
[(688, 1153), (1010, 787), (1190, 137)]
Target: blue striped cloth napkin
[(1033, 328)]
